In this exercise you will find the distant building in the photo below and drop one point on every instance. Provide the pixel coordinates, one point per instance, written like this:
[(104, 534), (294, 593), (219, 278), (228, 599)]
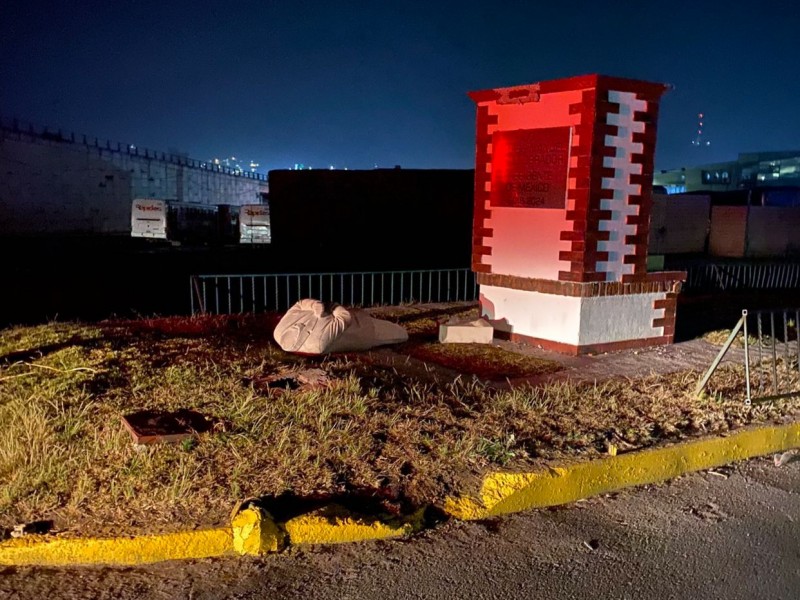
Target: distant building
[(236, 165), (750, 170)]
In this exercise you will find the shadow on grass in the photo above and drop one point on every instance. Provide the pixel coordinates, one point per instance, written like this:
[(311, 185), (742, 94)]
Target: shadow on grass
[(380, 503), (196, 326), (42, 351)]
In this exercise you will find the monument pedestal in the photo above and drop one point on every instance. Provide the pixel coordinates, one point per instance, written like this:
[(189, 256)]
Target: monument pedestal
[(563, 190)]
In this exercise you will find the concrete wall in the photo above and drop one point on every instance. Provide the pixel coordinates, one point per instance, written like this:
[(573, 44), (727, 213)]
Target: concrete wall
[(52, 184), (679, 224), (533, 314), (757, 231), (571, 320), (636, 324), (773, 231), (728, 231)]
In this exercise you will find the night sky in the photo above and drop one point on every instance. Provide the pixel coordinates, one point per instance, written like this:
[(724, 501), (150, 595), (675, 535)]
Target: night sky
[(360, 84)]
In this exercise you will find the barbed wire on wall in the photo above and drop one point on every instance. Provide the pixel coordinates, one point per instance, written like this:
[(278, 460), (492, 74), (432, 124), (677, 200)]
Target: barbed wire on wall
[(152, 176), (17, 127)]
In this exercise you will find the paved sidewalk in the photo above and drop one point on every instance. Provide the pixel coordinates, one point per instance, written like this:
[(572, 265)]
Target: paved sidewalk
[(695, 354), (692, 355)]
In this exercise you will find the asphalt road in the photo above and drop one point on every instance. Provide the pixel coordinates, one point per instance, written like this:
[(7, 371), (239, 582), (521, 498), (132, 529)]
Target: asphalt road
[(732, 533)]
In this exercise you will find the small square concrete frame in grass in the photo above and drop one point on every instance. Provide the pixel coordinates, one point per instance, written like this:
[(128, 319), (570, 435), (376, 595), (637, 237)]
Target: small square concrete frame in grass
[(478, 331), (153, 427)]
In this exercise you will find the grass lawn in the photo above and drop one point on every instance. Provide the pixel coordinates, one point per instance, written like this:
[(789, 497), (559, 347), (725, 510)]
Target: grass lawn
[(368, 428)]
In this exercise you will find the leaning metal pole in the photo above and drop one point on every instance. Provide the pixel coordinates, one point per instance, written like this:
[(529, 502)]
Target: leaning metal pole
[(725, 347), (748, 401)]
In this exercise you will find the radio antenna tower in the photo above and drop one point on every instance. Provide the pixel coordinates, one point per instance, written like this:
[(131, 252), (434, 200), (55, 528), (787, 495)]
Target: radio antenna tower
[(699, 140)]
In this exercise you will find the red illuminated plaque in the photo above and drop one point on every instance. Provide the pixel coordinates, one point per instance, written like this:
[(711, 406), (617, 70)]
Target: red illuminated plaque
[(529, 167)]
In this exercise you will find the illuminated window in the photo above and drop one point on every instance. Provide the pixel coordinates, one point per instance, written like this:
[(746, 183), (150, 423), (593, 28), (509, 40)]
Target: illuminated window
[(715, 177)]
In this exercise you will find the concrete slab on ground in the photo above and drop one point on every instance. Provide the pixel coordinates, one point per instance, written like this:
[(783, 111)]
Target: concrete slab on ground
[(695, 354), (477, 331)]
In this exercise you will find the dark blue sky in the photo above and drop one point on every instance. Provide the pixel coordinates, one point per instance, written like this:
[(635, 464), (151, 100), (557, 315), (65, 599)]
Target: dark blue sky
[(357, 84)]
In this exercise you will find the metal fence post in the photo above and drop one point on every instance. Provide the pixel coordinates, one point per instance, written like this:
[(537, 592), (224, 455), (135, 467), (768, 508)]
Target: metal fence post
[(748, 401), (723, 351)]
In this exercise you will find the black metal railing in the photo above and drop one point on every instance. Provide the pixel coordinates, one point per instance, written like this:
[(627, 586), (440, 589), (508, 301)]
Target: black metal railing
[(251, 293), (742, 276), (771, 353)]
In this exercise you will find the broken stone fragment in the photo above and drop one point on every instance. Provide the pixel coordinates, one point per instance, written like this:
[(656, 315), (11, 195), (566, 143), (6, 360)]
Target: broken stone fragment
[(293, 379), (478, 331), (786, 457)]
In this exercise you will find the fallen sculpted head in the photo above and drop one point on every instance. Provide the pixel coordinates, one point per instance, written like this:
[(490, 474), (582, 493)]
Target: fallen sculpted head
[(315, 327)]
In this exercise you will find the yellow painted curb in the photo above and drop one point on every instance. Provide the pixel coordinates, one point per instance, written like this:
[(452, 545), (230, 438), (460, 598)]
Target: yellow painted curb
[(503, 493), (333, 524), (255, 532), (44, 550)]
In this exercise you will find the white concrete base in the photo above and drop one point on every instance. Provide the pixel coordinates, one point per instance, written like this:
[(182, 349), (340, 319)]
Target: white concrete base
[(572, 320), (478, 331)]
